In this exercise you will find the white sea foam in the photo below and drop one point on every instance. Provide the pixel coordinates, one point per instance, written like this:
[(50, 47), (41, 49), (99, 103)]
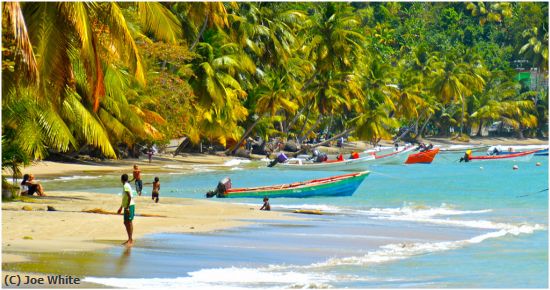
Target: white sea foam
[(75, 177), (235, 162), (419, 211), (172, 166), (226, 278), (401, 251)]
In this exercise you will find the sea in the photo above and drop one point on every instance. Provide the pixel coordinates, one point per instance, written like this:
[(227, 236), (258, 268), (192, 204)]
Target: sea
[(442, 225)]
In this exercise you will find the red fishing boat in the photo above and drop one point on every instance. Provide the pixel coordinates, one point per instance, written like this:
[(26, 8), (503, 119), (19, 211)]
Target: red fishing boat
[(423, 157), (504, 156)]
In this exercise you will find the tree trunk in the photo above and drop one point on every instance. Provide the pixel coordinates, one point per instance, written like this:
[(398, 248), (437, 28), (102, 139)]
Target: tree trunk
[(462, 116), (233, 149), (425, 125), (294, 119), (478, 134), (305, 121), (311, 129), (305, 148), (203, 28), (182, 146)]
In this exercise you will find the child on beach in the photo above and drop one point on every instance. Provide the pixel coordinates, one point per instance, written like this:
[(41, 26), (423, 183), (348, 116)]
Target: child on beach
[(137, 178), (128, 204), (156, 190), (266, 205)]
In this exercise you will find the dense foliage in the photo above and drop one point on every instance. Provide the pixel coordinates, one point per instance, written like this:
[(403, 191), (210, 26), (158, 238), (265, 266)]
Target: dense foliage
[(110, 76)]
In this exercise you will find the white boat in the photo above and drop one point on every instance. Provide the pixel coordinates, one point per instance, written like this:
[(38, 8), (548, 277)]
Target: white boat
[(396, 157), (358, 164)]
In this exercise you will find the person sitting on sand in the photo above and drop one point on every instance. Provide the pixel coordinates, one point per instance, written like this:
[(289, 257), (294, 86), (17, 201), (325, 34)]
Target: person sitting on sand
[(266, 205), (32, 185), (137, 178), (128, 204)]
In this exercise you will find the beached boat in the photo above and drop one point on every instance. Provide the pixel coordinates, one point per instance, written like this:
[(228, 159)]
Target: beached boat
[(341, 185), (422, 157), (357, 164), (524, 156)]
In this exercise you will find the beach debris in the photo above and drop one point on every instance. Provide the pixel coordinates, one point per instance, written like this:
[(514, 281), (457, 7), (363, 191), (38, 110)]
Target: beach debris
[(99, 211), (308, 211), (151, 215), (51, 208), (27, 208), (192, 228), (27, 238), (515, 167), (102, 211)]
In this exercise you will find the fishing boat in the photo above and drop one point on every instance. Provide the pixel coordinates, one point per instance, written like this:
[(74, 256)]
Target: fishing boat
[(543, 152), (357, 164), (340, 185), (515, 156), (425, 157), (393, 157)]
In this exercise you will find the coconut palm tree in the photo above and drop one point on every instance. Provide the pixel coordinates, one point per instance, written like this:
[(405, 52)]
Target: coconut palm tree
[(74, 44), (454, 81)]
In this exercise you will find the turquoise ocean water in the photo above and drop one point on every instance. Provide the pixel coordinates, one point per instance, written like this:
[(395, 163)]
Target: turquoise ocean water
[(448, 224)]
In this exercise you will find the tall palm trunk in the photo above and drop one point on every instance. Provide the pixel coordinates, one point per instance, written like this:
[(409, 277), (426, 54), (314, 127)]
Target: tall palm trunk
[(462, 115), (424, 126), (234, 148), (302, 137), (203, 28)]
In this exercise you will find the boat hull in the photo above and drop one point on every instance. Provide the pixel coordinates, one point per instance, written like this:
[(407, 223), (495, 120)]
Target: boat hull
[(358, 164), (543, 152), (394, 157), (344, 186), (520, 156), (425, 157)]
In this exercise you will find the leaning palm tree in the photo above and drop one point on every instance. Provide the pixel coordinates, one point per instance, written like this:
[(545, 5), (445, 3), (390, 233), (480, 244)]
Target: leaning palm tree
[(274, 95)]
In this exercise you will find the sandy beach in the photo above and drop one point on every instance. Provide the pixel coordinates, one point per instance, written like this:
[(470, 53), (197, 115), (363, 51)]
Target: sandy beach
[(29, 227)]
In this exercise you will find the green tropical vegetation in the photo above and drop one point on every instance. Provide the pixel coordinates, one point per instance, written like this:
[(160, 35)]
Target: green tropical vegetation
[(106, 78)]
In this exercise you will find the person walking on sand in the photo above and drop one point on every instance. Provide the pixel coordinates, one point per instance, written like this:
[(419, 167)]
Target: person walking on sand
[(156, 190), (137, 178), (128, 204)]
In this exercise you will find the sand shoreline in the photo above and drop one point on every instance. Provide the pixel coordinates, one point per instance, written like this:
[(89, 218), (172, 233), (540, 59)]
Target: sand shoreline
[(34, 229)]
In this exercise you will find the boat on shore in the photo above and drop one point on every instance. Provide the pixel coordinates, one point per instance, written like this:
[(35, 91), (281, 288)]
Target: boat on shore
[(340, 185), (425, 157), (526, 155)]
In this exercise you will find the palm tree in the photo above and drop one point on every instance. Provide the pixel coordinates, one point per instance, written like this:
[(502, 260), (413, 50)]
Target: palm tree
[(274, 95), (456, 82), (74, 45)]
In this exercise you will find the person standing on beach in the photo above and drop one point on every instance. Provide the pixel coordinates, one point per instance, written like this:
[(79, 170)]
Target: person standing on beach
[(128, 204), (137, 178)]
